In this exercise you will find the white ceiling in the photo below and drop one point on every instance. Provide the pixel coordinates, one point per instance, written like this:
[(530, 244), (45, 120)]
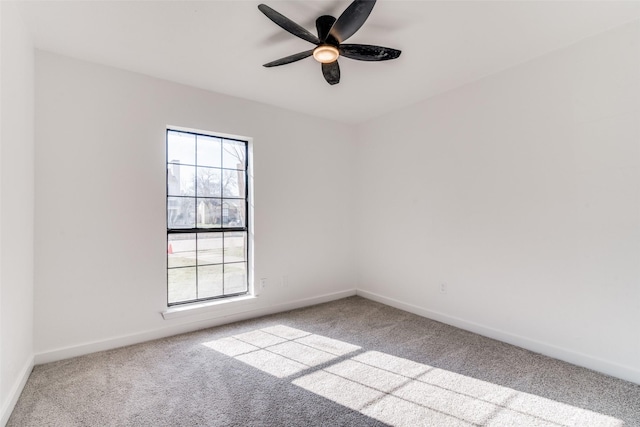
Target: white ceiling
[(220, 45)]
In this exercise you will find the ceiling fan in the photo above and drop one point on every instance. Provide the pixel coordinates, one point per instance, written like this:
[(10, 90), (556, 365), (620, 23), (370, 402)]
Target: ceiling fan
[(332, 33)]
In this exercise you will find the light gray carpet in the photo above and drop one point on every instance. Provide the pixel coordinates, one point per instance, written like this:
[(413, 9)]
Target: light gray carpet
[(351, 362)]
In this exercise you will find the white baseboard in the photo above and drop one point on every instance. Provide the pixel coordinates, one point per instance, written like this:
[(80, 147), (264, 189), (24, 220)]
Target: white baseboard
[(600, 365), (610, 368), (14, 393), (208, 322)]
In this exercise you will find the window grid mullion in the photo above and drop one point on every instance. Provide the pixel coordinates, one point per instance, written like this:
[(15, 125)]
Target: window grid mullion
[(223, 247), (195, 180), (222, 207)]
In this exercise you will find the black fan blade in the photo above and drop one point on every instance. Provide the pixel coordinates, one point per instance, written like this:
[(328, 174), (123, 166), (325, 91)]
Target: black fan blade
[(323, 25), (289, 59), (351, 20), (288, 25), (366, 52), (331, 72)]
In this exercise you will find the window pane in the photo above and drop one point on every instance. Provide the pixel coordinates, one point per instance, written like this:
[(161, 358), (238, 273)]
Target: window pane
[(233, 154), (235, 278), (181, 212), (181, 148), (233, 213), (209, 213), (182, 284), (181, 250), (210, 281), (209, 151), (232, 183), (209, 182), (206, 191), (210, 248), (235, 246), (181, 180)]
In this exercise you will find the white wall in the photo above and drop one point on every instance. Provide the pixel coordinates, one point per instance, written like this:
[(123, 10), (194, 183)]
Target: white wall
[(520, 192), (16, 207), (100, 277)]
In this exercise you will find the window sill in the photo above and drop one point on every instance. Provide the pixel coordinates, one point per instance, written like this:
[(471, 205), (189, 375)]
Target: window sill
[(208, 307)]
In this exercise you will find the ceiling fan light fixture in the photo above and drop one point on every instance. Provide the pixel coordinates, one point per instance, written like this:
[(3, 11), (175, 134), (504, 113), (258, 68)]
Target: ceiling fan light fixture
[(332, 33), (325, 54)]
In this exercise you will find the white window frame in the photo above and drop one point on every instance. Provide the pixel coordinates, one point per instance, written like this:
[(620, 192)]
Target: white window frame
[(197, 305)]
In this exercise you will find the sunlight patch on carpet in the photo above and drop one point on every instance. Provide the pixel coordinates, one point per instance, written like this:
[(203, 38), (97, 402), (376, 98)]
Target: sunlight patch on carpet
[(281, 351), (271, 363), (393, 390)]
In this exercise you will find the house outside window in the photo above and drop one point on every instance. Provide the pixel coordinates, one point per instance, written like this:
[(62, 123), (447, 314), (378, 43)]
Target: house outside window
[(207, 216)]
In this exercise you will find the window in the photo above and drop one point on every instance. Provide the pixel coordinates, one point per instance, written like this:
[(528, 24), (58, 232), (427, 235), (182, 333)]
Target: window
[(207, 217)]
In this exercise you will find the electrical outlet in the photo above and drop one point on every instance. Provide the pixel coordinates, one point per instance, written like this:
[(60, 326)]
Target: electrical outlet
[(443, 288), (260, 288)]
